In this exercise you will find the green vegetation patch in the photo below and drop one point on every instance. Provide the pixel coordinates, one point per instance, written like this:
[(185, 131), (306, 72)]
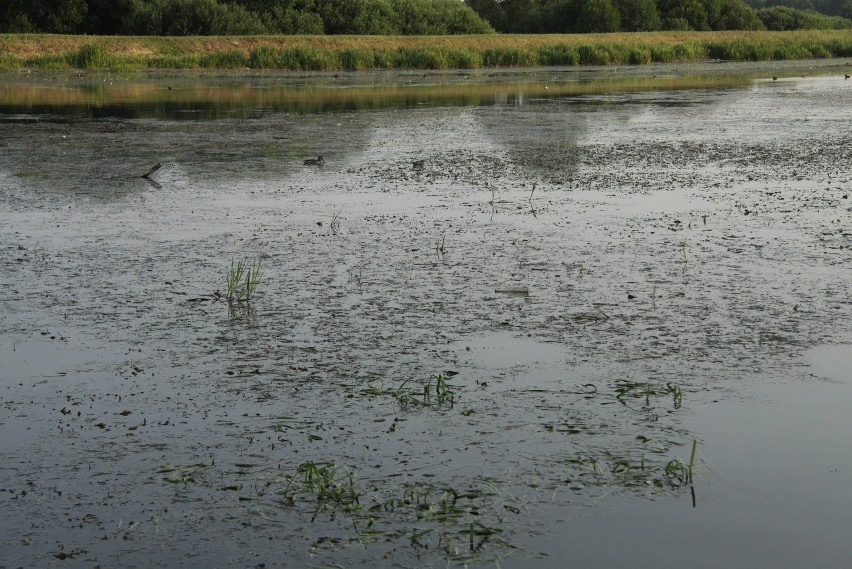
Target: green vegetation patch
[(352, 53)]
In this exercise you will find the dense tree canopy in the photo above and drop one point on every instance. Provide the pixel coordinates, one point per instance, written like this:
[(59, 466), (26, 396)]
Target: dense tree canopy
[(827, 7), (639, 15), (240, 17), (413, 17), (782, 18), (58, 16), (578, 16)]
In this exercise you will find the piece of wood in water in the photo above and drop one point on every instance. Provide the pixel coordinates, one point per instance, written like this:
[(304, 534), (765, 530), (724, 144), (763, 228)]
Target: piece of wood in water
[(156, 167)]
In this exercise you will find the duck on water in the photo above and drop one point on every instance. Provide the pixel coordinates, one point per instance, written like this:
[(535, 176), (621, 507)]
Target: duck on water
[(318, 161)]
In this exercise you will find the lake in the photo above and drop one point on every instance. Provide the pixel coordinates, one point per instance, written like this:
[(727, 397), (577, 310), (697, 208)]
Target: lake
[(514, 318)]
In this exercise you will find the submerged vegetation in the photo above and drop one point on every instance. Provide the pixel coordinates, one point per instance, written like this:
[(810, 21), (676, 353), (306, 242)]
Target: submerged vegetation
[(324, 53), (474, 520)]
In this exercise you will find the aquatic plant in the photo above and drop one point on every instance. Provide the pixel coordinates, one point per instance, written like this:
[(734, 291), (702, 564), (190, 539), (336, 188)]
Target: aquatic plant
[(677, 394), (332, 487), (443, 393), (679, 472), (625, 388), (408, 397), (243, 280)]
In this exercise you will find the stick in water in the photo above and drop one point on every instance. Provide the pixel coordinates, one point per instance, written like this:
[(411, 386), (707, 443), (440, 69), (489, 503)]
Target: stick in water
[(156, 167)]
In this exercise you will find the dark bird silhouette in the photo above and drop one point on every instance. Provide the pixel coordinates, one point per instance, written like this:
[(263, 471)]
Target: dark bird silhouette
[(418, 164), (318, 161), (846, 76)]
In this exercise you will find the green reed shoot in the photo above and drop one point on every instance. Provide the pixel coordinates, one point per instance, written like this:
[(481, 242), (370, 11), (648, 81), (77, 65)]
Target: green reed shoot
[(443, 393), (243, 279), (677, 394), (408, 397), (682, 473), (692, 459)]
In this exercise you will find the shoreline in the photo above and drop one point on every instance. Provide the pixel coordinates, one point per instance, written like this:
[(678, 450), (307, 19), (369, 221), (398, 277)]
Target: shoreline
[(443, 76)]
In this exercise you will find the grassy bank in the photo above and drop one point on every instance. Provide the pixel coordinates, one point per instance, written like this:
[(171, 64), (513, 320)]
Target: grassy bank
[(320, 53)]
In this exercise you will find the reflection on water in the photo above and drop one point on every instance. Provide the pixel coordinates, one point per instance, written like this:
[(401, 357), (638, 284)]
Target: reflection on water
[(202, 99)]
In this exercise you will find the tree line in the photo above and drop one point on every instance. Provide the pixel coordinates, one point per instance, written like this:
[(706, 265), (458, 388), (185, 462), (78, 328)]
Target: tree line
[(411, 17), (828, 7), (240, 17), (603, 16)]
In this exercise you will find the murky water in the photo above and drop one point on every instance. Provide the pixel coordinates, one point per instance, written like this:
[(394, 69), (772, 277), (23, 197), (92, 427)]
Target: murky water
[(498, 316)]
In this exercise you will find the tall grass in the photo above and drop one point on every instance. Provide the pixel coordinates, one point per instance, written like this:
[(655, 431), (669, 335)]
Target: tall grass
[(322, 53), (92, 56)]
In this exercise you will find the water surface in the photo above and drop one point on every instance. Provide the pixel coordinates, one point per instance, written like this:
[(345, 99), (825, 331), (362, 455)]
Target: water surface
[(682, 241)]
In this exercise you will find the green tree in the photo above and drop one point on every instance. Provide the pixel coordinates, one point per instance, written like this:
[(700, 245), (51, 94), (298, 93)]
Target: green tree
[(734, 15), (190, 17), (460, 19), (560, 16), (438, 17), (47, 16), (491, 11), (290, 21), (357, 17), (684, 15), (638, 15), (525, 16), (599, 16), (284, 16), (782, 18), (105, 17)]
